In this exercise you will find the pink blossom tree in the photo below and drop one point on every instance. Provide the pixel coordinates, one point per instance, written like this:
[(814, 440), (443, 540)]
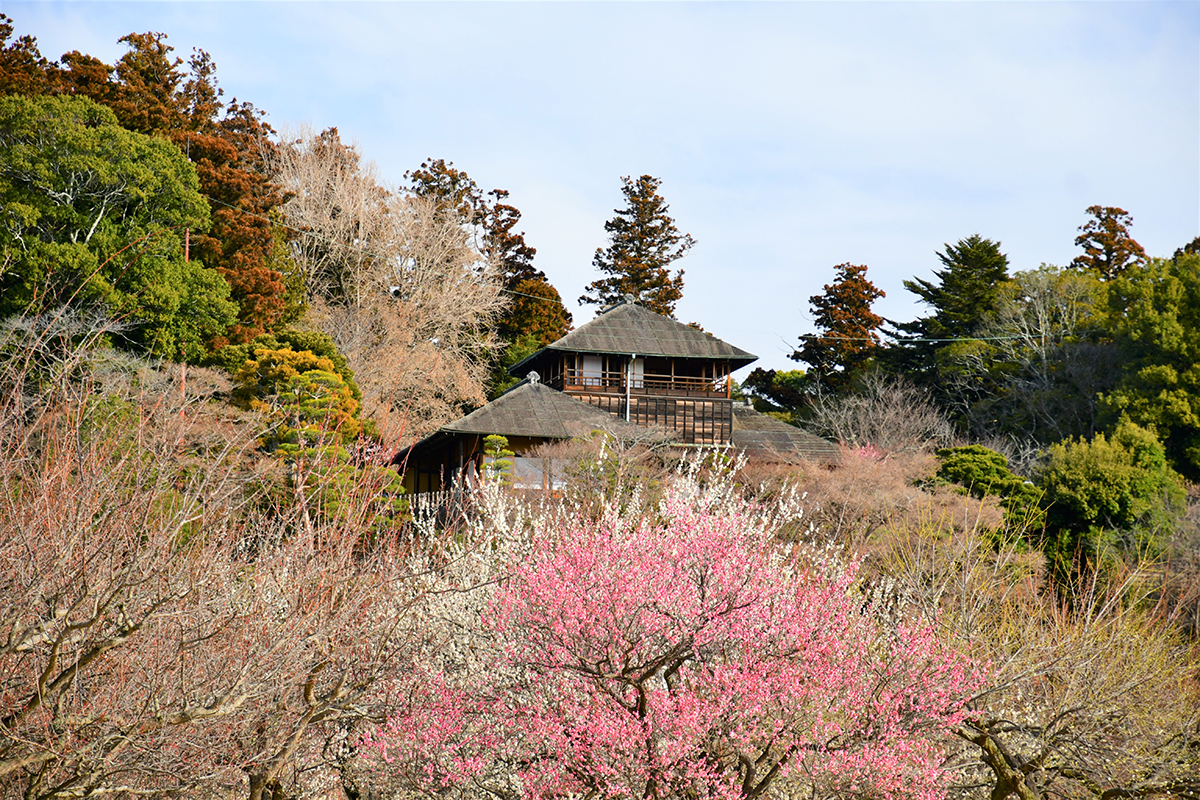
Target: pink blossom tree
[(682, 657)]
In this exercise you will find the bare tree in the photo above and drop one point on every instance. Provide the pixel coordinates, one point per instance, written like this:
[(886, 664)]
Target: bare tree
[(1097, 699), (164, 626), (883, 411), (1045, 360), (399, 285)]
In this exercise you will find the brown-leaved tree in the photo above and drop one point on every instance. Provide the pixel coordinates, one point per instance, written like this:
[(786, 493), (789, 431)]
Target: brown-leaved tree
[(643, 242), (849, 329), (1108, 249)]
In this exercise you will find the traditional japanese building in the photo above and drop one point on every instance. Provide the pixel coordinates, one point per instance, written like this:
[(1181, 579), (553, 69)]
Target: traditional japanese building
[(628, 366)]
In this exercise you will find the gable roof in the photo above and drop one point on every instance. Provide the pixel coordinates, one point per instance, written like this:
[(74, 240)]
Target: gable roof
[(534, 409), (629, 328), (765, 438)]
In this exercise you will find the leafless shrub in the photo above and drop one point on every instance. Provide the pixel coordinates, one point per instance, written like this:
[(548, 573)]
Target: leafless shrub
[(868, 498), (884, 411), (1179, 599)]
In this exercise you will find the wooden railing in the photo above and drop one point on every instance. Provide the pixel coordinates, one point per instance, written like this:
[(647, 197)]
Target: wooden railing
[(643, 384)]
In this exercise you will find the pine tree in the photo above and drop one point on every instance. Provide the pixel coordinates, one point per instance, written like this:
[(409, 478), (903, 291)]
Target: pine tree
[(643, 243), (964, 298), (849, 336), (967, 288)]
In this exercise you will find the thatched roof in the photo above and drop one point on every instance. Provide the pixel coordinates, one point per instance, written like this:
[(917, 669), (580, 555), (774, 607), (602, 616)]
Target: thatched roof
[(765, 438), (628, 328)]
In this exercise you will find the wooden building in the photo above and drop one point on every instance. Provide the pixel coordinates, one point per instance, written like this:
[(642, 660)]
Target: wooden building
[(628, 365)]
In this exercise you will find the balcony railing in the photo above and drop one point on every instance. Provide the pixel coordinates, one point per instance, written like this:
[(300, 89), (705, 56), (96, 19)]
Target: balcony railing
[(647, 384)]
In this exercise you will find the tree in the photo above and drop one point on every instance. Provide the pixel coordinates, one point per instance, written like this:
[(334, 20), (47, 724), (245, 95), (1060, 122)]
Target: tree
[(983, 472), (23, 69), (1156, 321), (1108, 249), (883, 411), (396, 282), (151, 94), (849, 335), (966, 290), (779, 391), (685, 657), (95, 217), (1097, 701), (964, 297), (1110, 495), (643, 242), (1049, 357), (535, 307), (168, 628), (1191, 248)]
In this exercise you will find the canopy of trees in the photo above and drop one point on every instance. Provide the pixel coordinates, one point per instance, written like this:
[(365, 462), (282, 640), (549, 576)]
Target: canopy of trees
[(95, 216), (1157, 329), (149, 92)]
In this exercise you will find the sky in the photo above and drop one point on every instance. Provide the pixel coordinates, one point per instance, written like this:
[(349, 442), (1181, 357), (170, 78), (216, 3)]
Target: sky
[(789, 137)]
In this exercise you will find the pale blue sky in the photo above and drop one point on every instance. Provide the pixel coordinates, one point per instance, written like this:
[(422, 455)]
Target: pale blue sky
[(790, 137)]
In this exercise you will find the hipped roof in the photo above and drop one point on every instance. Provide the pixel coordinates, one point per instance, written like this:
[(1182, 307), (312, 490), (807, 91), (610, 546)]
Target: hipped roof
[(629, 329), (765, 438), (534, 409)]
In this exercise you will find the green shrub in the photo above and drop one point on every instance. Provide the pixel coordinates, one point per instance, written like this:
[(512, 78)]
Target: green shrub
[(1108, 495), (983, 472), (232, 358)]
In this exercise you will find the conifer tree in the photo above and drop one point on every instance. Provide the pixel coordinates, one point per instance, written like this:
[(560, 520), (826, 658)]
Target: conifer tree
[(849, 330), (643, 243), (151, 92), (1108, 249), (964, 297)]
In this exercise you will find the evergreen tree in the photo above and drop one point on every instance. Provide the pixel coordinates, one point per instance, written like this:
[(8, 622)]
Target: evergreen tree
[(92, 216), (963, 297), (1108, 249), (643, 243), (849, 330), (536, 310), (1156, 323), (23, 69), (966, 291), (151, 93)]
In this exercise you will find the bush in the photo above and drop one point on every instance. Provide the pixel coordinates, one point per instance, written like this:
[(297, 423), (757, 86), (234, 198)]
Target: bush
[(983, 472), (232, 357), (1108, 496)]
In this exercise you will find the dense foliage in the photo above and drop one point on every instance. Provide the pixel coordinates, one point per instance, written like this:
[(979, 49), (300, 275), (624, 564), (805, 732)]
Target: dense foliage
[(150, 92), (94, 216), (1157, 331)]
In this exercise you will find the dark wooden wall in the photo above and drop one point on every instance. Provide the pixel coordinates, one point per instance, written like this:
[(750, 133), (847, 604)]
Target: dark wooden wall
[(694, 421)]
